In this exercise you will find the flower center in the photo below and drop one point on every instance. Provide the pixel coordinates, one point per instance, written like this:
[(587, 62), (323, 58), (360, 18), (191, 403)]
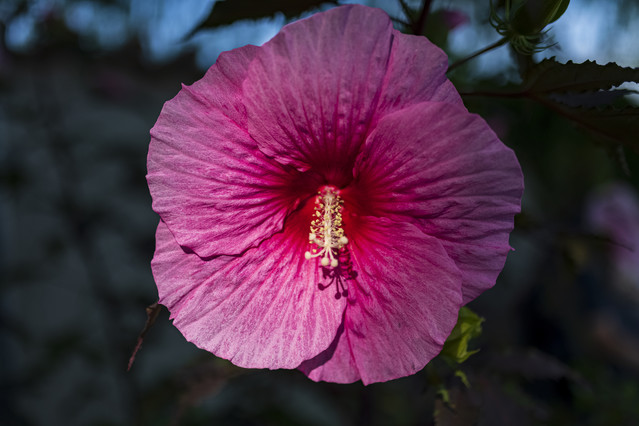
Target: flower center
[(326, 235)]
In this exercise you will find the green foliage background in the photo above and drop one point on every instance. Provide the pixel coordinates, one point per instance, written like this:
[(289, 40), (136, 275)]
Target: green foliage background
[(557, 345)]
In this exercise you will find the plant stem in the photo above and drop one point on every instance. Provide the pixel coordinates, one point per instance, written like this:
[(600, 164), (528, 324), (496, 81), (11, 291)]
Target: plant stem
[(418, 27), (488, 48), (401, 22)]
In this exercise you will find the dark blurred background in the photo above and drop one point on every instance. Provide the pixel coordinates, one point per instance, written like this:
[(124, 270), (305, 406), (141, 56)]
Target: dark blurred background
[(81, 84)]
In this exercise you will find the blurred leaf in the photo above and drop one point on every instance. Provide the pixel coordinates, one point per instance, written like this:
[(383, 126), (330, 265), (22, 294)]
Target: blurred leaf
[(228, 11), (608, 125), (456, 347), (462, 376), (533, 364), (552, 76), (591, 99), (444, 395), (13, 178), (455, 409)]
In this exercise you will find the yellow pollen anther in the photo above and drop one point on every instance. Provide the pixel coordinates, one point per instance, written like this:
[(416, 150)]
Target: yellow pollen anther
[(326, 228)]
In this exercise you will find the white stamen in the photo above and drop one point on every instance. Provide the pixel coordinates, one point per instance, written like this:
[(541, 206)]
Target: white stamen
[(326, 228)]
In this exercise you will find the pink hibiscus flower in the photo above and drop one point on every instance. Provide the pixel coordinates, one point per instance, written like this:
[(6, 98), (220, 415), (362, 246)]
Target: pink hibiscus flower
[(326, 201)]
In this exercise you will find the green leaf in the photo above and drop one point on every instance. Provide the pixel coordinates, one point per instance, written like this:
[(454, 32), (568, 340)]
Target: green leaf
[(456, 347), (591, 99), (462, 376), (228, 11), (608, 125), (581, 92), (533, 364), (552, 76), (458, 408), (444, 394)]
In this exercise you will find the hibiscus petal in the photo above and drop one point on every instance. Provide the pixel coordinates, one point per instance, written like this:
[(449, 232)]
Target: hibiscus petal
[(312, 90), (210, 184), (416, 73), (442, 168), (336, 364), (402, 305), (260, 310)]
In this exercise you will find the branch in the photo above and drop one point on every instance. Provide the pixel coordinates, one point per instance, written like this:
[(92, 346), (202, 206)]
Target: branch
[(488, 48)]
